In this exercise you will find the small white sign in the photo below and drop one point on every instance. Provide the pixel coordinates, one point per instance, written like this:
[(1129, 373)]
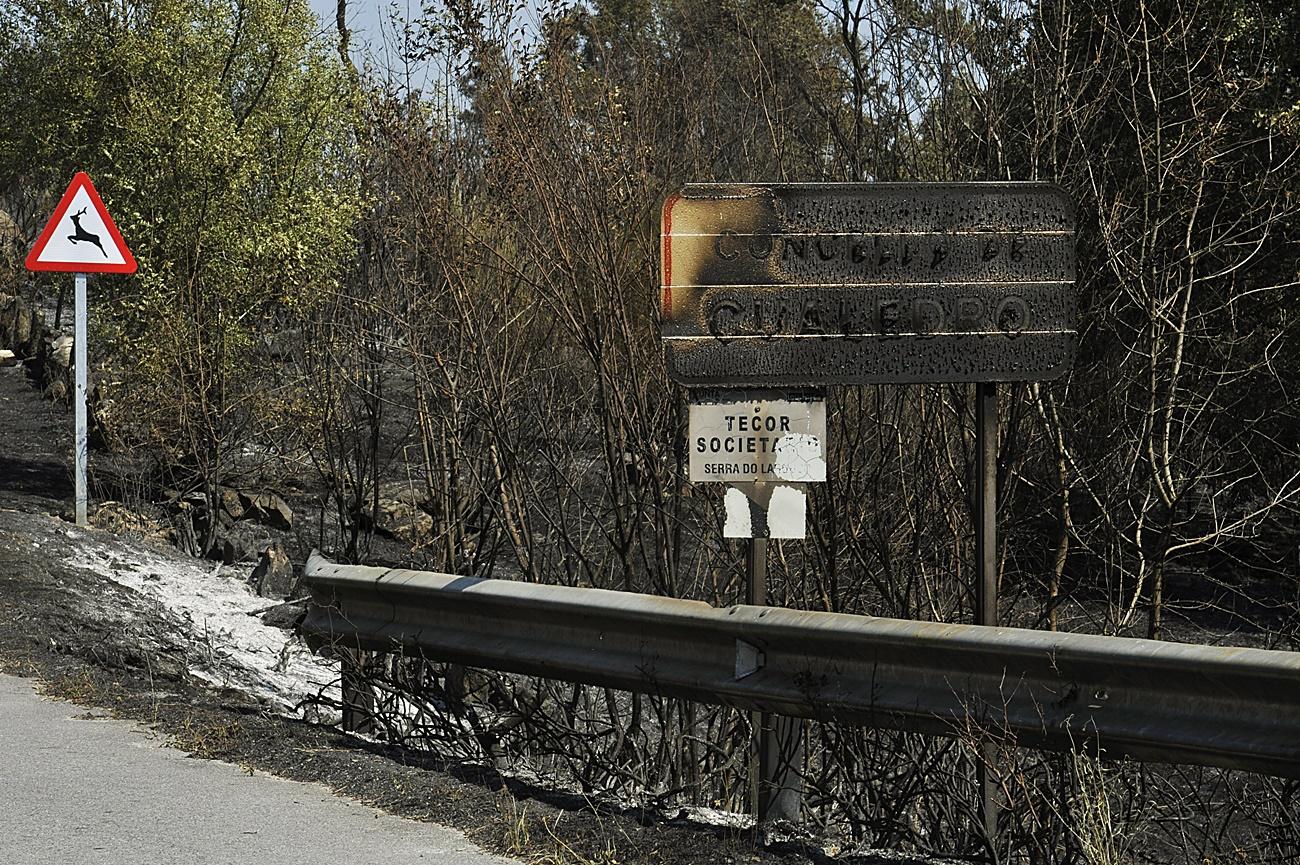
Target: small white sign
[(758, 441)]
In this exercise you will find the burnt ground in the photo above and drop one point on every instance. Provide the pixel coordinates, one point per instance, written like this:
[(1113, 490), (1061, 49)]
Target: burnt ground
[(99, 644), (35, 447)]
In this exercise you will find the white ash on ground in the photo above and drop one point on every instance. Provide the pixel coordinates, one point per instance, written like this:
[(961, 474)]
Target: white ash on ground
[(231, 647)]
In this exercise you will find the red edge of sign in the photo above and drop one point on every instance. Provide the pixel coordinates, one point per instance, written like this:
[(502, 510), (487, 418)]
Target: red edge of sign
[(128, 264), (666, 302)]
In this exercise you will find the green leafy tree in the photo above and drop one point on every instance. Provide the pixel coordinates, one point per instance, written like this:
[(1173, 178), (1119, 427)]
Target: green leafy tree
[(220, 133)]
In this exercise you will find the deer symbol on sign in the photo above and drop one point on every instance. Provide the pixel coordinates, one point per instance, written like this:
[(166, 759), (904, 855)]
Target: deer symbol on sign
[(82, 234)]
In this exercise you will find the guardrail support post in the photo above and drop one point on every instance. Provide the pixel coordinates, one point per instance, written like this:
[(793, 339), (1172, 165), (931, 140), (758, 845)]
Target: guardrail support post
[(780, 764), (358, 699)]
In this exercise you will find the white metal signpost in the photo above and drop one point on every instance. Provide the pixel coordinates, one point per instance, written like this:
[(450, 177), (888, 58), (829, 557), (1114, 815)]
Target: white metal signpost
[(80, 238)]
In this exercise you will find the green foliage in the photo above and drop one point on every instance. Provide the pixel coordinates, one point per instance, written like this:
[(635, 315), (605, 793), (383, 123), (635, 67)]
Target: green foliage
[(219, 133)]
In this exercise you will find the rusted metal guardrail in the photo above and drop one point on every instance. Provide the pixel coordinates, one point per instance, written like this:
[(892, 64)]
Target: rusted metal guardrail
[(1231, 707)]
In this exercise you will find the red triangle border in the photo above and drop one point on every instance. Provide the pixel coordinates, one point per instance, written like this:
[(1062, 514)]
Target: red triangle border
[(81, 179)]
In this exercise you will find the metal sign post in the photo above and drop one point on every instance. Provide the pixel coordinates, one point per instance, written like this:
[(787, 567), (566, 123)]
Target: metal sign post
[(79, 398), (775, 782), (986, 556), (80, 238), (756, 595)]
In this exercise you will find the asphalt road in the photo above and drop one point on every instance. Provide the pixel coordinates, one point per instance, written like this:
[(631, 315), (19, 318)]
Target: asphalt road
[(85, 790)]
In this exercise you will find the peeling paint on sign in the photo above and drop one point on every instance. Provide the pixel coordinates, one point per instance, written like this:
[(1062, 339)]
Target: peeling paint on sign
[(738, 523), (799, 458), (787, 512), (766, 511), (758, 441)]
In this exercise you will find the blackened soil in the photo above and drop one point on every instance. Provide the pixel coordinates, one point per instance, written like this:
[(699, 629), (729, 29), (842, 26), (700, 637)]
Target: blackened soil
[(35, 446)]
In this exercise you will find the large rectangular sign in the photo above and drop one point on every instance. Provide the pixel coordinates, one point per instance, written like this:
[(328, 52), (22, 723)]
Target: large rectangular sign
[(811, 284)]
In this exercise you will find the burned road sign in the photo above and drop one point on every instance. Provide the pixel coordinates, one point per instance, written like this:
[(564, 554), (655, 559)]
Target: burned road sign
[(811, 284)]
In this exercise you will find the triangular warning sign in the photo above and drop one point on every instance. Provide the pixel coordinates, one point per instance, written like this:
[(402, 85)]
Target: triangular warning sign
[(81, 236)]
